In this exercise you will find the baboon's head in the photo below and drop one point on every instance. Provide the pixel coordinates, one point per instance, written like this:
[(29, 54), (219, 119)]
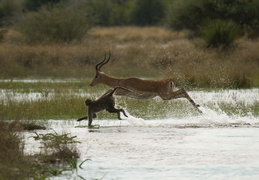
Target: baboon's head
[(88, 102)]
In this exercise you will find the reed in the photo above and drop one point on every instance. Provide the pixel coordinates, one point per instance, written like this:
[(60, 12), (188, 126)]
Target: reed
[(65, 103), (58, 152)]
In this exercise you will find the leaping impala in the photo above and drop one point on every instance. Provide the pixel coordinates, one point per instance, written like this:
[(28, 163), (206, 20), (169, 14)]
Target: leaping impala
[(139, 88)]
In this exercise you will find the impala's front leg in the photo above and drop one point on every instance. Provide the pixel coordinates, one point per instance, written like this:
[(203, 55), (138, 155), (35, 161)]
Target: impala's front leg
[(181, 93)]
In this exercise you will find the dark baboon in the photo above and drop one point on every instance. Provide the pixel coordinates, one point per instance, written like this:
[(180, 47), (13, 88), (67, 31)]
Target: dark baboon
[(106, 101)]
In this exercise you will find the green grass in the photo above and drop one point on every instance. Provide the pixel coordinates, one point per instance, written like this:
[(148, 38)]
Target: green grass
[(65, 101), (58, 153), (40, 86), (240, 109)]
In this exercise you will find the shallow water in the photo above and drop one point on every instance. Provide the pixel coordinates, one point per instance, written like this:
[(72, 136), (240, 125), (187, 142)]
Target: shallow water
[(174, 153), (164, 149), (213, 145)]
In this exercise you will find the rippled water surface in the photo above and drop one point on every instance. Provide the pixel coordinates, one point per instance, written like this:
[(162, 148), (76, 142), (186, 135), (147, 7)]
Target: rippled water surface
[(161, 151), (213, 145)]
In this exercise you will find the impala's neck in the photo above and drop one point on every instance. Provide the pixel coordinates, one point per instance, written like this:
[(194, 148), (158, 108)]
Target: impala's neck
[(111, 81)]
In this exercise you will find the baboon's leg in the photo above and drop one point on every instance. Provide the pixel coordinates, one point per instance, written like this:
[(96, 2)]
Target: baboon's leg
[(122, 110), (114, 110), (181, 93), (91, 115), (94, 115)]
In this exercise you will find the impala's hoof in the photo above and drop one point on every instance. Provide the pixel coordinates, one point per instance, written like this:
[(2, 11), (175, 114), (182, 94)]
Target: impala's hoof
[(199, 111)]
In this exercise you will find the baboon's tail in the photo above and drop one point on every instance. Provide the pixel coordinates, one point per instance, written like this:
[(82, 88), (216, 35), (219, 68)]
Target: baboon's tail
[(82, 118)]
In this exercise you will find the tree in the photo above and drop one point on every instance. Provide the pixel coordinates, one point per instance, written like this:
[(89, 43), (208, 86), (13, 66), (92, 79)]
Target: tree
[(33, 5), (148, 12), (60, 23), (190, 14), (7, 9)]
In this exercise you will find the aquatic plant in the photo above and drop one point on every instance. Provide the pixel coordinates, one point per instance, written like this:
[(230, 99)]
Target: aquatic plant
[(58, 155)]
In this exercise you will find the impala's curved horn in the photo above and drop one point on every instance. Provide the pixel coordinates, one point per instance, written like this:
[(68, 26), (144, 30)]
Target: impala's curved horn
[(97, 67), (104, 61)]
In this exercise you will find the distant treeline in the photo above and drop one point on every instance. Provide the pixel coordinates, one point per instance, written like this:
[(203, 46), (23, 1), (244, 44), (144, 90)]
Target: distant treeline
[(194, 15)]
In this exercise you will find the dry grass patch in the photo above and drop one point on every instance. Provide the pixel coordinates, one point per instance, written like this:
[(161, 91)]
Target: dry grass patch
[(150, 52), (134, 33)]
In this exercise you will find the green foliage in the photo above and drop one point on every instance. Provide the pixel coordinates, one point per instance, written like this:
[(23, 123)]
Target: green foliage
[(33, 5), (148, 12), (57, 146), (185, 14), (190, 14), (177, 14), (219, 33), (111, 12), (120, 13), (7, 10), (58, 24), (102, 10), (128, 12), (59, 155), (1, 36)]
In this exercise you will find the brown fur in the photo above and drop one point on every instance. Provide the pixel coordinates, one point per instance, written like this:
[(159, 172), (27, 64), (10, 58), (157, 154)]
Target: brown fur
[(140, 88), (105, 102)]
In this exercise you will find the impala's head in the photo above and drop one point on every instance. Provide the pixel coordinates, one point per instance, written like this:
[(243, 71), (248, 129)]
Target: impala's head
[(98, 73)]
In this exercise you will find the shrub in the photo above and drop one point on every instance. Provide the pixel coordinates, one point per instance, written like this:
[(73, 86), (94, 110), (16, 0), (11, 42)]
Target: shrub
[(15, 164), (184, 14), (190, 14), (58, 147), (148, 12), (7, 10), (58, 24), (111, 12), (120, 13), (219, 33), (33, 5)]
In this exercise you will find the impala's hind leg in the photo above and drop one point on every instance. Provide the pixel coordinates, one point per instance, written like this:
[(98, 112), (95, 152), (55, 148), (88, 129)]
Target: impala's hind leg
[(181, 93)]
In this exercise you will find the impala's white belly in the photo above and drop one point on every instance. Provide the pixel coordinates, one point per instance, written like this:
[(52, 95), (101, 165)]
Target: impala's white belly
[(136, 95), (143, 96)]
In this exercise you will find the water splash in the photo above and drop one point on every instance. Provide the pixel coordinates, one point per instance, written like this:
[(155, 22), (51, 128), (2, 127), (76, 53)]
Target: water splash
[(134, 121), (211, 117)]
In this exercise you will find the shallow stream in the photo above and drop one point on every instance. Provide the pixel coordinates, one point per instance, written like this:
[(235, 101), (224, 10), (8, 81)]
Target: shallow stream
[(213, 145)]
